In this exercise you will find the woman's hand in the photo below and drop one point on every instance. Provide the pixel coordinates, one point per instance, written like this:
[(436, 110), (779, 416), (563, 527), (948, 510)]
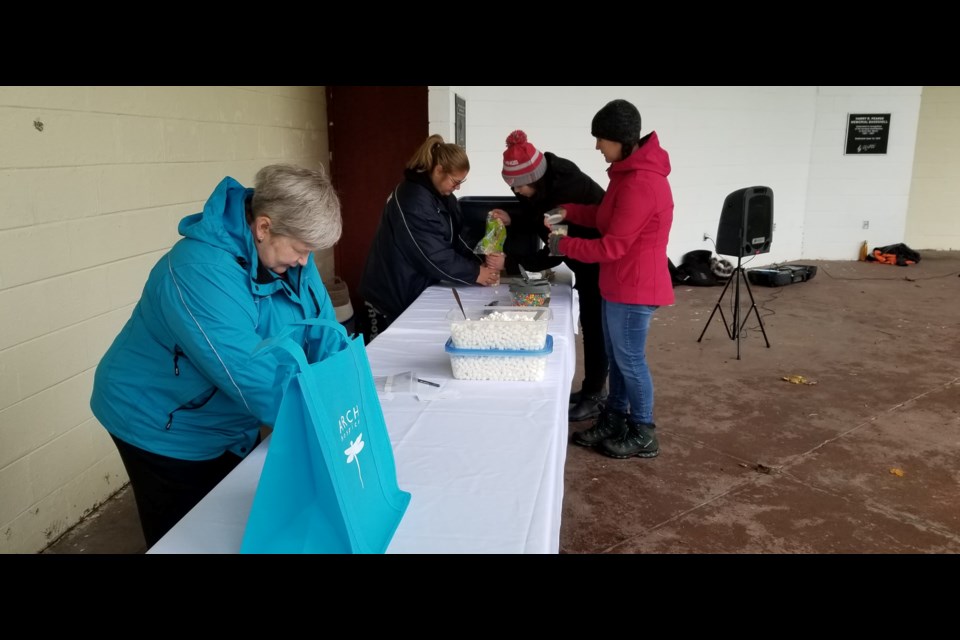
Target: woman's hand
[(496, 261), (502, 216), (554, 242), (488, 277)]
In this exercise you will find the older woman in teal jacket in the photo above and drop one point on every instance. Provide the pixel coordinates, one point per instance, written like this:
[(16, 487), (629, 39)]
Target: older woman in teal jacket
[(180, 390)]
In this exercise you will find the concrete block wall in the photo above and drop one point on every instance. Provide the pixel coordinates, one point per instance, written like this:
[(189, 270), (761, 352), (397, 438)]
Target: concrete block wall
[(847, 192), (719, 139), (93, 181), (933, 221)]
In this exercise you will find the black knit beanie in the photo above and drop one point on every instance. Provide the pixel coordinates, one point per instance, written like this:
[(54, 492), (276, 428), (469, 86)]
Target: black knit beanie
[(617, 121)]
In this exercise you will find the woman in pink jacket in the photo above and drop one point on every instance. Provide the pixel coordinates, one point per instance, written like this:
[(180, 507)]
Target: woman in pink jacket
[(634, 221)]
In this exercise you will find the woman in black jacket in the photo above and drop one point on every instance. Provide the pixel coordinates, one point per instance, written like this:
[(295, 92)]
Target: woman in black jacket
[(418, 241), (542, 182)]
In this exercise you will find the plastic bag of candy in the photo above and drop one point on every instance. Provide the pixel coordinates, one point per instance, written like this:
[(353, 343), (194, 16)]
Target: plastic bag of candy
[(493, 239)]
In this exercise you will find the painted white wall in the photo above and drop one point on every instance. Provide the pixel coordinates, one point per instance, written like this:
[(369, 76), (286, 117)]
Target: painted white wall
[(845, 191), (719, 140), (93, 181), (441, 112), (933, 221)]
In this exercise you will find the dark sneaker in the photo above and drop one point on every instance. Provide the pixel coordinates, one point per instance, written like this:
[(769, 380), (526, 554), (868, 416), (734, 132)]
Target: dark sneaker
[(587, 408), (576, 395), (610, 424), (638, 440)]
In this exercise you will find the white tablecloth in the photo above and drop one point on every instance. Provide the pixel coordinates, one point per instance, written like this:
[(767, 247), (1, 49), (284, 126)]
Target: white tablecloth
[(485, 468)]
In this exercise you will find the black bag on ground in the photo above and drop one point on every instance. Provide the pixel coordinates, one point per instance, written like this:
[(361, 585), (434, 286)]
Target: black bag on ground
[(701, 269), (675, 276), (778, 276), (898, 254)]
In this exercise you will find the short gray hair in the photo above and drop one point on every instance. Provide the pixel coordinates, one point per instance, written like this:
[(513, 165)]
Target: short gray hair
[(301, 203)]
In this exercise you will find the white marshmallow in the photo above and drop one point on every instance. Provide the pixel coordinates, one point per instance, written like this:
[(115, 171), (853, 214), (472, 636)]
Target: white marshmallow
[(500, 330), (523, 368)]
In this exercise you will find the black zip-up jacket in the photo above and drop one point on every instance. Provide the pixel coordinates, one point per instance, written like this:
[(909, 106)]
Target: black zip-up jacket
[(417, 244), (563, 183)]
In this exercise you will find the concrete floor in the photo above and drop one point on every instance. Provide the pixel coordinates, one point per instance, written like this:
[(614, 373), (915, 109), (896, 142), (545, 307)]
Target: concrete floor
[(864, 459)]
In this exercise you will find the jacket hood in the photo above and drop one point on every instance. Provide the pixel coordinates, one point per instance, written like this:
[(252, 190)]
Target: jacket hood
[(649, 156), (423, 179), (223, 221)]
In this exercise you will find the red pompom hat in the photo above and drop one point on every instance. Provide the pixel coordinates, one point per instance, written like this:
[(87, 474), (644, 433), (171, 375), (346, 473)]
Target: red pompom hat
[(522, 163)]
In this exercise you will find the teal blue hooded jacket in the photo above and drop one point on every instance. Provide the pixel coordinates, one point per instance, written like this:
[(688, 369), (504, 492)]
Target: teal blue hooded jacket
[(181, 379)]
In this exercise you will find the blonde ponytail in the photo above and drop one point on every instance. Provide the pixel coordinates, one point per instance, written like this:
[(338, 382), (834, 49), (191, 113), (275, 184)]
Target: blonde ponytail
[(434, 151)]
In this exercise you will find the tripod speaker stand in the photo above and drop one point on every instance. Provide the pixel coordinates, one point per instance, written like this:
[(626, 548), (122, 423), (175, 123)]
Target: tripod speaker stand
[(735, 326), (746, 228)]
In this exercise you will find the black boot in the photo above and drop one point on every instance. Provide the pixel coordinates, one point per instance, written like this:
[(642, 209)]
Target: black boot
[(588, 406), (637, 440), (610, 424), (577, 395)]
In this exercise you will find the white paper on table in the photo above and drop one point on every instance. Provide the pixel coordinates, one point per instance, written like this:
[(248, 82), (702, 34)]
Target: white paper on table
[(437, 394), (404, 382)]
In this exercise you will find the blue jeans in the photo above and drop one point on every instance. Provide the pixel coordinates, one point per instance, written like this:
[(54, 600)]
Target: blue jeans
[(625, 338)]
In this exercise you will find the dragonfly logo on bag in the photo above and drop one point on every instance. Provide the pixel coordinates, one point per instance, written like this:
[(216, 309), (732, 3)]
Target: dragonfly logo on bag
[(348, 422), (353, 453)]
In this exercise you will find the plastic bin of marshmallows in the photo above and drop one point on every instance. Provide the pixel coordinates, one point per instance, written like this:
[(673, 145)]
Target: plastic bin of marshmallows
[(499, 364), (523, 328), (509, 343)]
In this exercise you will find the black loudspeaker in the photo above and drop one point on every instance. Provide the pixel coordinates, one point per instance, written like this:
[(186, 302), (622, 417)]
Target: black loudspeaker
[(746, 222)]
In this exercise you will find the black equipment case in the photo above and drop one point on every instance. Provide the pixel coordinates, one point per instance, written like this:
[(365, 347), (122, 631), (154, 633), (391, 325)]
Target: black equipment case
[(782, 275)]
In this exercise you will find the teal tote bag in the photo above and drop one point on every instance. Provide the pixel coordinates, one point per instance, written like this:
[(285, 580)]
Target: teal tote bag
[(329, 482)]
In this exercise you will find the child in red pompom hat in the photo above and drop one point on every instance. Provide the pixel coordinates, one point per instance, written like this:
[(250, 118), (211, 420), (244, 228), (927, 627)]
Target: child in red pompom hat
[(522, 163), (541, 182)]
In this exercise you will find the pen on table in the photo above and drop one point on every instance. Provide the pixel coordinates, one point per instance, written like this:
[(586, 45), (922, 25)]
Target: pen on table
[(432, 384)]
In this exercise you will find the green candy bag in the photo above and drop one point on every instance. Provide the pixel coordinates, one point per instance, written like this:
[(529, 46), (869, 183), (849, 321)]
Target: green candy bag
[(493, 239)]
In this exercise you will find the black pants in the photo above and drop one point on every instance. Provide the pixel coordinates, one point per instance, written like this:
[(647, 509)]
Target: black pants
[(595, 365), (165, 489), (372, 323)]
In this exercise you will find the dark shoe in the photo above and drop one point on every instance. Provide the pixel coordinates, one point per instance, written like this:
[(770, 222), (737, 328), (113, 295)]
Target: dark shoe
[(576, 395), (638, 440), (587, 408), (610, 424)]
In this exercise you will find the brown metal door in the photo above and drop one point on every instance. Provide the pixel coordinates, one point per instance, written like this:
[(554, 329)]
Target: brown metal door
[(372, 131)]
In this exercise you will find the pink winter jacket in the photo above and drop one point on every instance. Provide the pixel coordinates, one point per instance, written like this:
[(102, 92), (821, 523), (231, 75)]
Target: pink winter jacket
[(634, 219)]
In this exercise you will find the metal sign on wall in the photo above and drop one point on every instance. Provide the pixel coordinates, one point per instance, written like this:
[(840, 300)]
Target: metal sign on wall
[(460, 124), (867, 133)]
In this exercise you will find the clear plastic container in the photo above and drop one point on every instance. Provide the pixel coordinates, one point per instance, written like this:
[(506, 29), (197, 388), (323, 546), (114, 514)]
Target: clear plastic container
[(499, 364), (530, 294), (518, 328), (553, 218)]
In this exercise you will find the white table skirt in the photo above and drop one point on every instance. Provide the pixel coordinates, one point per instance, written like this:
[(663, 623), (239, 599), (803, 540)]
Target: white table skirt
[(485, 468)]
